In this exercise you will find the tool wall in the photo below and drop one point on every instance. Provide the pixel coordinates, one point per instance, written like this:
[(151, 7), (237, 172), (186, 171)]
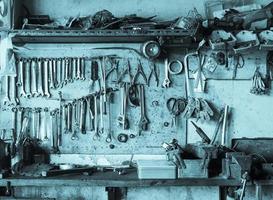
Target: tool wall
[(56, 131), (222, 88)]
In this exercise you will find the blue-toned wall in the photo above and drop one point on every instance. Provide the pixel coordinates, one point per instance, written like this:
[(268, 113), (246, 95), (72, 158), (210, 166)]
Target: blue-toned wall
[(251, 115)]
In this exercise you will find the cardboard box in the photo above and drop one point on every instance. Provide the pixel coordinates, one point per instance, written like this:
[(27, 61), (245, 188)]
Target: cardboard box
[(156, 169)]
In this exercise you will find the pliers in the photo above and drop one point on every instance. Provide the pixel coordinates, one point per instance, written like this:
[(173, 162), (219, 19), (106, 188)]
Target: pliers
[(153, 73), (114, 68), (127, 70), (139, 72)]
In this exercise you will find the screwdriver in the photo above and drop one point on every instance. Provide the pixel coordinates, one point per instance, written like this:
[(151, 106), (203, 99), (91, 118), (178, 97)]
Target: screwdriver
[(201, 133)]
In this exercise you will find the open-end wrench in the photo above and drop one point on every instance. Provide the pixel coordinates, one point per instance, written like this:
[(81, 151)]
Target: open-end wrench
[(6, 99), (69, 118), (20, 73), (40, 78), (82, 69), (14, 99), (19, 119), (74, 67), (46, 90), (64, 118), (82, 116), (34, 89), (109, 136), (55, 72), (90, 114), (97, 135), (54, 137), (58, 125), (60, 72), (34, 123), (103, 86), (45, 123), (62, 79), (28, 78), (51, 74), (23, 131), (70, 71), (22, 77), (78, 75), (59, 118), (75, 123), (66, 75), (38, 123), (167, 81), (122, 119), (14, 111), (144, 121)]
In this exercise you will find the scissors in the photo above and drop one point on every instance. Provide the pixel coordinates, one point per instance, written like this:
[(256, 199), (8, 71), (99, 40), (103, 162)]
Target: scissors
[(239, 62), (176, 106)]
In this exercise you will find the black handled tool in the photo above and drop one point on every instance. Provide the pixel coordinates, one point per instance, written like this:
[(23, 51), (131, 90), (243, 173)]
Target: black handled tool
[(201, 133)]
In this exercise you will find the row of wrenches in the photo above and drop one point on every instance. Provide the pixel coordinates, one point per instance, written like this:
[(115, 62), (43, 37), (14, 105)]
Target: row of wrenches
[(82, 115), (37, 76)]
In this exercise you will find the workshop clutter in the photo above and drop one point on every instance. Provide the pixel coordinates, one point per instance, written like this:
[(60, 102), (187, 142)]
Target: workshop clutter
[(133, 90)]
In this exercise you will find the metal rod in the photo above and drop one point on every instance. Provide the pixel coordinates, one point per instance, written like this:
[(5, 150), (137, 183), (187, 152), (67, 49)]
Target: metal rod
[(224, 128)]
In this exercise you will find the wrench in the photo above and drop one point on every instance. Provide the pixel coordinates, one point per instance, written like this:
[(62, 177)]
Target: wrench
[(34, 88), (167, 81), (20, 119), (45, 124), (59, 76), (40, 78), (91, 114), (54, 137), (103, 86), (58, 127), (78, 76), (122, 119), (38, 123), (65, 118), (66, 75), (51, 74), (62, 80), (144, 121), (20, 73), (97, 135), (82, 69), (34, 123), (14, 99), (22, 77), (82, 116), (70, 72), (101, 115), (14, 111), (74, 68), (28, 79), (23, 130), (46, 92), (69, 117), (55, 73), (76, 123), (110, 132), (6, 99)]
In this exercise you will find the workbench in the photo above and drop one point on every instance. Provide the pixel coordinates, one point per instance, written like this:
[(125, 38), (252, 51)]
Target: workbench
[(112, 179)]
